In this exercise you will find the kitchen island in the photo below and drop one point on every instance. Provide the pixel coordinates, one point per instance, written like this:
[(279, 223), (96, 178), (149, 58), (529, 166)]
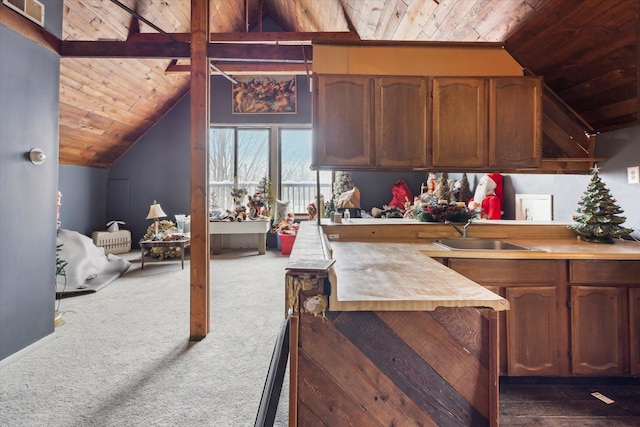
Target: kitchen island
[(387, 328)]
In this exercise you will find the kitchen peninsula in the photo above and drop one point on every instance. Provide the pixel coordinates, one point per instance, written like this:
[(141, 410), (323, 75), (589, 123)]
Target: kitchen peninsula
[(387, 326)]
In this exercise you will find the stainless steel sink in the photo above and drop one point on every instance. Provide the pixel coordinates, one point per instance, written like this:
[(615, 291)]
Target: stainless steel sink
[(475, 244)]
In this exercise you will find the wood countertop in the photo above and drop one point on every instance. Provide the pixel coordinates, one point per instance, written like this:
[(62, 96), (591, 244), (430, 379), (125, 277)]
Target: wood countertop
[(388, 265), (398, 277), (368, 276)]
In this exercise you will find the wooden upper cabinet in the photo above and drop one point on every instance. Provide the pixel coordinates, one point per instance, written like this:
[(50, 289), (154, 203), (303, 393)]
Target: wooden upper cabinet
[(401, 112), (515, 122), (459, 122), (343, 121)]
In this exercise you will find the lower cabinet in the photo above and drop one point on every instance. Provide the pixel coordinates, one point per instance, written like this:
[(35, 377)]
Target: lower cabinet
[(532, 342), (566, 317), (529, 330), (634, 330), (598, 330), (605, 319)]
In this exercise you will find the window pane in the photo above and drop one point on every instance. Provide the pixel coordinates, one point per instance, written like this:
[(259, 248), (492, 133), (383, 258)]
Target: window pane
[(221, 159), (253, 157), (297, 180)]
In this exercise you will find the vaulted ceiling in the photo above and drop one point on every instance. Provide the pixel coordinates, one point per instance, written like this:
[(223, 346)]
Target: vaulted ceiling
[(111, 94)]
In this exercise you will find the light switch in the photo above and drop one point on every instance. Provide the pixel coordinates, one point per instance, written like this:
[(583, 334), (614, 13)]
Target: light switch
[(633, 174)]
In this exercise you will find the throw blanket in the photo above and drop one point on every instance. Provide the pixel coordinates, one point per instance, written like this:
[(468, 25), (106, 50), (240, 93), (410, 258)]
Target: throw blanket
[(87, 264)]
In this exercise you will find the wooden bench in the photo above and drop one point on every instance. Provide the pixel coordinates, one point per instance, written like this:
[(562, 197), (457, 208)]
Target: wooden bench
[(257, 227)]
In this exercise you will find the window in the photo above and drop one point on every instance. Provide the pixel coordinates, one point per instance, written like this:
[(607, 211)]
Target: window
[(236, 155), (297, 180), (242, 155)]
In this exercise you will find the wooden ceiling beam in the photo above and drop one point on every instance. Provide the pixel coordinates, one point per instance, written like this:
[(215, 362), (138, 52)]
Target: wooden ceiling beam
[(266, 37), (119, 49), (258, 52), (246, 68), (218, 51)]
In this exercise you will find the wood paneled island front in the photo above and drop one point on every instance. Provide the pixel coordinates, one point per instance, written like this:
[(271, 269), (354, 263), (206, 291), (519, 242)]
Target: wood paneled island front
[(382, 334)]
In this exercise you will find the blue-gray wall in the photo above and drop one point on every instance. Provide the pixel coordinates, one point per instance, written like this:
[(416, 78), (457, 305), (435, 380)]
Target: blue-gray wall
[(29, 102), (84, 198)]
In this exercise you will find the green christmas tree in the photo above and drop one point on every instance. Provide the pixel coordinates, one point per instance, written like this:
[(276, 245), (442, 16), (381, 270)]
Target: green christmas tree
[(597, 218), (331, 207)]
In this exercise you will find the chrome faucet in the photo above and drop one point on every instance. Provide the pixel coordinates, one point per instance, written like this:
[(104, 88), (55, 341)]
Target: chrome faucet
[(462, 232)]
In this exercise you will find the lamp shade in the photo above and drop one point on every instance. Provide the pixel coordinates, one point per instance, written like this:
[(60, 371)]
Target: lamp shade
[(155, 211)]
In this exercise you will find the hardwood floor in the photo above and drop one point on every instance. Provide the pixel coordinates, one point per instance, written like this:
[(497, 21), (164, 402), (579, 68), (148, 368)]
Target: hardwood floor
[(568, 402)]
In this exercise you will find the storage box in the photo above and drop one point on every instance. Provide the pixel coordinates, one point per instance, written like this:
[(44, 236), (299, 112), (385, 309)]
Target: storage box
[(286, 243), (113, 242)]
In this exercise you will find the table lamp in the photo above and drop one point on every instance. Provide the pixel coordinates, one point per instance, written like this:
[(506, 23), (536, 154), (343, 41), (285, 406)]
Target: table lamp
[(155, 212)]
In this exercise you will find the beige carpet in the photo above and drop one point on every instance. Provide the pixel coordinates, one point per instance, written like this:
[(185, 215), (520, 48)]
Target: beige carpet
[(122, 356)]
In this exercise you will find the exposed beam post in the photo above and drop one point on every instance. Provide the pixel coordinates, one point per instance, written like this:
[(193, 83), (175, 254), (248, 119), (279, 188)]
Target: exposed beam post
[(200, 283)]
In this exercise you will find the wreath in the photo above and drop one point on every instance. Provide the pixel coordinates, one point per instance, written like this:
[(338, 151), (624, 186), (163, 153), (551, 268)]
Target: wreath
[(430, 210)]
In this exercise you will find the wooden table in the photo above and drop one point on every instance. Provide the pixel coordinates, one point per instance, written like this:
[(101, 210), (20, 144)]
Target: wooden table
[(148, 244), (257, 227)]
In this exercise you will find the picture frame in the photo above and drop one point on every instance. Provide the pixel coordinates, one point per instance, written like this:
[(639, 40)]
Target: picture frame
[(264, 95)]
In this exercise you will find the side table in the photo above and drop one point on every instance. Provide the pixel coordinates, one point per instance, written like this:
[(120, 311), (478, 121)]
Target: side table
[(148, 244)]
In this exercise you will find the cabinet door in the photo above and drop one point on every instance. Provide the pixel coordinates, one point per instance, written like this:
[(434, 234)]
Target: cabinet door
[(634, 329), (515, 122), (401, 122), (531, 331), (343, 121), (459, 122), (598, 334)]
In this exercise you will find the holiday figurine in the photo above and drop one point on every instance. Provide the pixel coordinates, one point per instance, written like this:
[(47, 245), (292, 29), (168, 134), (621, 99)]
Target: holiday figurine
[(597, 218)]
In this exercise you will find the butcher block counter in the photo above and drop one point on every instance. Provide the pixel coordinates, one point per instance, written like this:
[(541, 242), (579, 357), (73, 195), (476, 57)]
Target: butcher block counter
[(388, 328)]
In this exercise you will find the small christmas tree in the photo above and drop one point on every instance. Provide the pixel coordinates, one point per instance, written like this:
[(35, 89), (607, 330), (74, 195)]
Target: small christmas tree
[(443, 191), (330, 208), (597, 218), (464, 195)]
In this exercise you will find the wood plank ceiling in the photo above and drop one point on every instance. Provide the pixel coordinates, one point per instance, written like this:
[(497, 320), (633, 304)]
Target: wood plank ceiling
[(586, 50)]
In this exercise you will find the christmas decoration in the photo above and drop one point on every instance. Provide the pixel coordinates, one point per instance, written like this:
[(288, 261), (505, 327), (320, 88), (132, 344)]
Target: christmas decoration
[(343, 182), (597, 218), (464, 194), (430, 209), (266, 195), (166, 229), (443, 192), (330, 208)]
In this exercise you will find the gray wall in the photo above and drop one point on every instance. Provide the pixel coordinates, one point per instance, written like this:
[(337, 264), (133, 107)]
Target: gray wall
[(84, 198), (29, 102), (621, 148)]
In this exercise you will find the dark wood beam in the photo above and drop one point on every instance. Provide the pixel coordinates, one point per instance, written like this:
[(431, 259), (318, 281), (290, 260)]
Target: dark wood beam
[(289, 37), (265, 38), (246, 68), (199, 166), (258, 52), (219, 51), (28, 29), (119, 49)]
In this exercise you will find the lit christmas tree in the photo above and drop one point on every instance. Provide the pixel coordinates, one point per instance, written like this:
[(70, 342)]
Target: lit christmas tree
[(597, 218)]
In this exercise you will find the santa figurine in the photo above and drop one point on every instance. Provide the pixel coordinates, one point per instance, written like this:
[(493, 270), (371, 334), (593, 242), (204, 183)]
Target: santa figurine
[(488, 197)]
